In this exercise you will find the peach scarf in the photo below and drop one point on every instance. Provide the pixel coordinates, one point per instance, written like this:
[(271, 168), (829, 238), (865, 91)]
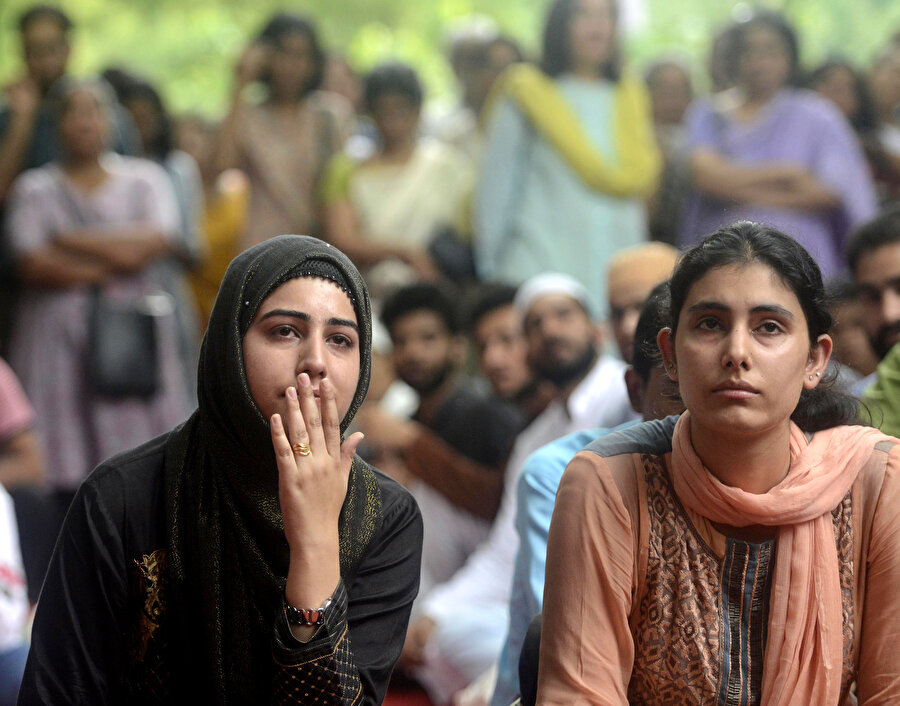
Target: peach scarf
[(804, 649)]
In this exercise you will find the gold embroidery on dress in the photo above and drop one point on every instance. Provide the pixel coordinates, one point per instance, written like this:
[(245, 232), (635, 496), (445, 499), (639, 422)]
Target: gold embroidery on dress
[(150, 574)]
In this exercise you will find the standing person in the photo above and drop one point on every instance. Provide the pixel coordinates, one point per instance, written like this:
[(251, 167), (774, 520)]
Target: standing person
[(570, 153), (248, 556), (671, 89), (747, 553), (225, 200), (283, 143), (767, 151), (157, 131), (93, 225), (478, 54), (884, 81), (839, 81), (384, 211), (28, 123)]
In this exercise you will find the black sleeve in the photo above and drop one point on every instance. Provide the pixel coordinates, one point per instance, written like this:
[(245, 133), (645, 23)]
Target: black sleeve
[(77, 651), (500, 423), (350, 658)]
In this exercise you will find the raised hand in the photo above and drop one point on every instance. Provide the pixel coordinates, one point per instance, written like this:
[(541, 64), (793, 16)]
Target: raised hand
[(313, 472), (23, 98), (252, 63)]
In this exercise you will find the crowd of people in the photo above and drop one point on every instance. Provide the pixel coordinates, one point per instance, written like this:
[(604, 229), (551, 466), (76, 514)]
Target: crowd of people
[(689, 297)]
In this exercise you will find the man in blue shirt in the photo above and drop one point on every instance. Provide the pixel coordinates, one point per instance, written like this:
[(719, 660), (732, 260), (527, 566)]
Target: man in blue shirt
[(653, 396)]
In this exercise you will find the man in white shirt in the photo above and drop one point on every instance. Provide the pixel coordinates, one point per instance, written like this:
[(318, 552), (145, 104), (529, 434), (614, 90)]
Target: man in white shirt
[(463, 621)]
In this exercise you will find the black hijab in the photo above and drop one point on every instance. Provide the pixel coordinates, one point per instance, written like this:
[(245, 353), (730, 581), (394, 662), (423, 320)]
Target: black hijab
[(227, 553)]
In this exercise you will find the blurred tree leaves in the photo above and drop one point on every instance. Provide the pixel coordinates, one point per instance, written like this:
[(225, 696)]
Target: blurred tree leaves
[(189, 46)]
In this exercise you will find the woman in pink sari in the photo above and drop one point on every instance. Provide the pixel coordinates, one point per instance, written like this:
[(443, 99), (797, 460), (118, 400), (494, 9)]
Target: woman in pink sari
[(747, 552)]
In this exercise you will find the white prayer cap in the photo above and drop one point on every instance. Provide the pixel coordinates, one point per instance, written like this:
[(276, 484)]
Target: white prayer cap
[(551, 283)]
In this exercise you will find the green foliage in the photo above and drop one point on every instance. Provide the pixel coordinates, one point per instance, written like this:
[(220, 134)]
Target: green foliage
[(189, 46)]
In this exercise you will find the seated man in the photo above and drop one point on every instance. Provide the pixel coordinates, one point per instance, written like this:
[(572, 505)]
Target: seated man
[(873, 255), (556, 316), (653, 396), (456, 644), (455, 446), (495, 328)]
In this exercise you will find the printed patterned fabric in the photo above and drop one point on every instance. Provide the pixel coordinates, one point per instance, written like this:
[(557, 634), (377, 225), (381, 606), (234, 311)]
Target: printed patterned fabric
[(702, 639)]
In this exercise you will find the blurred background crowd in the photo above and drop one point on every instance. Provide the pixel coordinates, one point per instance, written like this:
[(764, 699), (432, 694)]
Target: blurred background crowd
[(510, 241)]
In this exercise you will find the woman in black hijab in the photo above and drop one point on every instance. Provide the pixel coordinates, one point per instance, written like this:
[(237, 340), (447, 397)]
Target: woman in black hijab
[(248, 556)]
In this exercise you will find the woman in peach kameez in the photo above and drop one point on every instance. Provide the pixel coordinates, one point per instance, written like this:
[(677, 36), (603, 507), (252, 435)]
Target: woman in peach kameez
[(749, 551)]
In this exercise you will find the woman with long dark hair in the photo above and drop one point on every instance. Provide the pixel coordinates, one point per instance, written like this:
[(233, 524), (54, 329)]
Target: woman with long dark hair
[(747, 552), (248, 556), (570, 154)]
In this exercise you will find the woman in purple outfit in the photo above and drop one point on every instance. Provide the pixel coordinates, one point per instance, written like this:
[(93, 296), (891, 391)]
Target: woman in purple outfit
[(766, 151)]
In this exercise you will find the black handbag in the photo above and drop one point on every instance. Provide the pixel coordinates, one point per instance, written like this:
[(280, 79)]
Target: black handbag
[(122, 351)]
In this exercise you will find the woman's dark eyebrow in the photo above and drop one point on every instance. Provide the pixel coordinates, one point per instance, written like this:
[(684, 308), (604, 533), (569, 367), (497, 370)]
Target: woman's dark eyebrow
[(303, 316), (759, 309), (772, 309), (708, 305), (343, 322)]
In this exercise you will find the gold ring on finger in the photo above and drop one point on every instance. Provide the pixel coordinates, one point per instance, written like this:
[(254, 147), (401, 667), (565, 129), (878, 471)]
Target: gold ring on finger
[(301, 449)]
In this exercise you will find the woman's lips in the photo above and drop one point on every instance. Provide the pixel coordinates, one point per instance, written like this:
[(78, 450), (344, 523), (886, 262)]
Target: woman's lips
[(736, 390)]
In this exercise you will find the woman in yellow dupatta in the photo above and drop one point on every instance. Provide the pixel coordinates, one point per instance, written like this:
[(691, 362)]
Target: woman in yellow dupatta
[(570, 154)]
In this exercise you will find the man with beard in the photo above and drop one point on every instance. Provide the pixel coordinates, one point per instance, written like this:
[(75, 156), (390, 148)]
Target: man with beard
[(654, 396), (873, 255), (874, 258), (455, 446), (452, 643)]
